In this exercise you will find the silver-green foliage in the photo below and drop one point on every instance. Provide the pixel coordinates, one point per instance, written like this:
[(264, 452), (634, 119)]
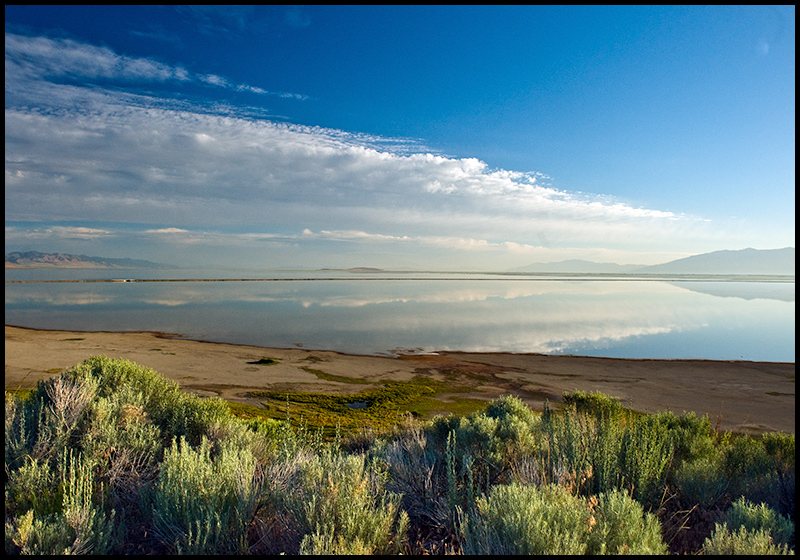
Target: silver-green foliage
[(175, 413), (80, 525), (339, 504), (524, 519), (622, 527), (741, 542), (518, 519), (53, 502), (42, 425), (205, 505)]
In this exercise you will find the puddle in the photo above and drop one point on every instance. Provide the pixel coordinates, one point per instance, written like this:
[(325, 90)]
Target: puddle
[(359, 404)]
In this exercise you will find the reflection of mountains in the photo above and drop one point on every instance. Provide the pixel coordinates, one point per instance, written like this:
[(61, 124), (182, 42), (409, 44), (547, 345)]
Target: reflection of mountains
[(781, 291)]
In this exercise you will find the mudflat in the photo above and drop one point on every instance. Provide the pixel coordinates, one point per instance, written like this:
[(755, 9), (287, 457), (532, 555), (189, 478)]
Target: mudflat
[(749, 397)]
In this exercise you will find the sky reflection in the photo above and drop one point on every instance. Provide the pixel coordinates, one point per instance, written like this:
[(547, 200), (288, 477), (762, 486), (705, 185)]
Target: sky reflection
[(603, 318)]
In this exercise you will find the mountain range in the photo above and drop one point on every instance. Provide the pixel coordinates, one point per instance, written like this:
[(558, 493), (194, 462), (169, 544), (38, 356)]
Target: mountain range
[(745, 261), (778, 262), (35, 259)]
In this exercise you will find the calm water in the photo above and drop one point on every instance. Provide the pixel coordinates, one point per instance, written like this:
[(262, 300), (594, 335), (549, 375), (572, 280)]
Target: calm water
[(425, 312)]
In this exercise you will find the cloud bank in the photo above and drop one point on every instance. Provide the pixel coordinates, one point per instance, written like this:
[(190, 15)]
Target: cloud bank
[(84, 145)]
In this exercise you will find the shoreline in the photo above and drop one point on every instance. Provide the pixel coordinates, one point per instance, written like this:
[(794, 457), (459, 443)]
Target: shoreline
[(748, 397), (399, 353)]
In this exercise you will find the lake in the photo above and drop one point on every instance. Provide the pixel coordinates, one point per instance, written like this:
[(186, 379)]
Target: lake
[(385, 313)]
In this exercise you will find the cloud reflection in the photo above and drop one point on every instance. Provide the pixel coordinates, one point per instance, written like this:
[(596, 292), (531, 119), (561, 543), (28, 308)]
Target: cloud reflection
[(373, 317)]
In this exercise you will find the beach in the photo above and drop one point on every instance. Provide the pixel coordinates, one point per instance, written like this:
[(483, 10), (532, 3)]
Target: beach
[(748, 397)]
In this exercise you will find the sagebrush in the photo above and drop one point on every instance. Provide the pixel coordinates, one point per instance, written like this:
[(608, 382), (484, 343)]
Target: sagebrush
[(111, 457)]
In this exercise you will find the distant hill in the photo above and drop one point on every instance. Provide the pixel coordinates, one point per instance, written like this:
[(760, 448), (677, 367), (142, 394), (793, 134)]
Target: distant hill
[(577, 266), (35, 259), (745, 261), (364, 269)]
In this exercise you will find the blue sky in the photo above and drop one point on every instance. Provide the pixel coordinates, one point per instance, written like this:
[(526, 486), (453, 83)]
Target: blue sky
[(469, 138)]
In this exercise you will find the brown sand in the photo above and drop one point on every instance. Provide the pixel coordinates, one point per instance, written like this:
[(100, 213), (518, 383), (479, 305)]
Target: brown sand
[(751, 397)]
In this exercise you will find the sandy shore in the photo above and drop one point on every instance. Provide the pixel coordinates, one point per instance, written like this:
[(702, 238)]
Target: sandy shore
[(749, 397)]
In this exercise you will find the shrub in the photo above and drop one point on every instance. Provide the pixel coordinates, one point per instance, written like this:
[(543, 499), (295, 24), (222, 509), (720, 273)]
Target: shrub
[(567, 447), (328, 543), (42, 425), (692, 437), (646, 454), (746, 462), (415, 473), (519, 519), (202, 505), (78, 527), (606, 456), (33, 486), (741, 542), (597, 404), (781, 448), (123, 441), (111, 435), (505, 428), (622, 527), (338, 502), (761, 470), (702, 482), (15, 436), (515, 422), (760, 517), (452, 459), (599, 449), (174, 412)]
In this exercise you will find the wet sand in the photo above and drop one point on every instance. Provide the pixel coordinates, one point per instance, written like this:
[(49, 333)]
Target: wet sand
[(751, 397)]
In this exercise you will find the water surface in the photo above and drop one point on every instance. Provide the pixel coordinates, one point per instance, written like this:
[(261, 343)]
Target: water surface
[(385, 313)]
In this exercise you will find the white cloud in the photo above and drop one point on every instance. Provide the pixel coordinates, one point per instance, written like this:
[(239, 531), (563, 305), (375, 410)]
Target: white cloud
[(167, 166), (198, 176), (56, 232), (44, 57), (32, 58), (169, 230)]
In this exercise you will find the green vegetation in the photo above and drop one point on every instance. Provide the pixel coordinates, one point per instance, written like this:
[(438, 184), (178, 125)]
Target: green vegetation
[(378, 408), (751, 529), (109, 457)]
